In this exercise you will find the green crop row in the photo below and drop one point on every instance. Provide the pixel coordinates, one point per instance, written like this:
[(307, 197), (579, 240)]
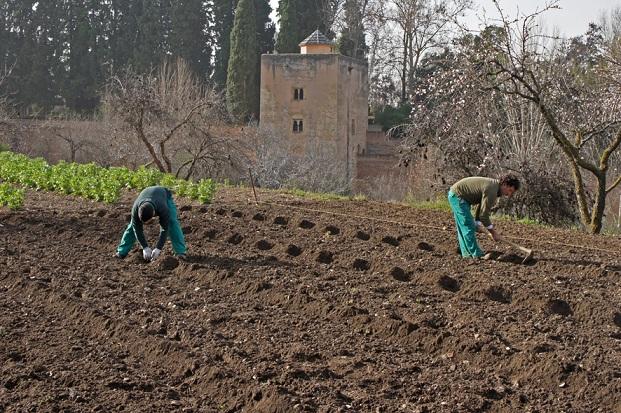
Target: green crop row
[(11, 197), (93, 181)]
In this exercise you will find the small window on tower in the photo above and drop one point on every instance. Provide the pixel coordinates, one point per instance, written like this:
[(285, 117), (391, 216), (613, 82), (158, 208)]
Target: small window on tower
[(298, 125), (353, 126), (298, 94)]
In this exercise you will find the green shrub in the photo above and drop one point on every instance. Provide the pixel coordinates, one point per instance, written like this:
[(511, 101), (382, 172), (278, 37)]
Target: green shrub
[(11, 197), (93, 181)]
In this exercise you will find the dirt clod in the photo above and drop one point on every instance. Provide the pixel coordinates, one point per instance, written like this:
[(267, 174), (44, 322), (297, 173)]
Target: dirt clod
[(167, 263)]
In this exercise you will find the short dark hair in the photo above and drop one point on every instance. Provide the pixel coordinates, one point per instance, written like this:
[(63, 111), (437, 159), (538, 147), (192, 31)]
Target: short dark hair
[(146, 211), (510, 180)]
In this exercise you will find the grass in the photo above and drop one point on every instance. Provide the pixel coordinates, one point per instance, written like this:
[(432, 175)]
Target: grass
[(438, 204), (317, 196), (611, 230)]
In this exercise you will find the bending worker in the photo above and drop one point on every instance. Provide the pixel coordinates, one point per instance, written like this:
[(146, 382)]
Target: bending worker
[(482, 192), (153, 201)]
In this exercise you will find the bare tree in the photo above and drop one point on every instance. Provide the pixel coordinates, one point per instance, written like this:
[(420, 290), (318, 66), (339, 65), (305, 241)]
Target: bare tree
[(581, 107), (381, 55), (6, 72), (7, 112), (423, 25), (529, 77), (81, 134), (173, 118), (281, 164), (330, 12), (466, 130), (611, 23)]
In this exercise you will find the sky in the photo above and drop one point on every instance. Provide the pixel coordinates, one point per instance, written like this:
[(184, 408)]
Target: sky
[(572, 19)]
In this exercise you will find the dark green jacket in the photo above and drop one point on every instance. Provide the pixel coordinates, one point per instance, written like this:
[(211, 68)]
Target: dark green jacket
[(158, 196), (479, 191)]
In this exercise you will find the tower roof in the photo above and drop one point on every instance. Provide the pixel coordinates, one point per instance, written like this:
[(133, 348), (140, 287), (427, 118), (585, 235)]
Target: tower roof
[(316, 37)]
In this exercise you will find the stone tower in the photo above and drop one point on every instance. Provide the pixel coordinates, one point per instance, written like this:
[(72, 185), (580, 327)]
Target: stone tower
[(317, 96)]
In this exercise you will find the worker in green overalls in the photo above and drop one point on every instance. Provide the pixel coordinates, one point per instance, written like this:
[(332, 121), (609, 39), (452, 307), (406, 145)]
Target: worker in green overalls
[(482, 192), (153, 201)]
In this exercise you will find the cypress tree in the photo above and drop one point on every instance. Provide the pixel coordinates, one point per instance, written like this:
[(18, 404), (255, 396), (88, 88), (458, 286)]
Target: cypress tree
[(33, 83), (298, 19), (223, 13), (32, 77), (310, 18), (81, 86), (265, 38), (265, 26), (6, 38), (122, 32), (188, 38), (150, 47), (242, 95), (352, 42), (288, 35)]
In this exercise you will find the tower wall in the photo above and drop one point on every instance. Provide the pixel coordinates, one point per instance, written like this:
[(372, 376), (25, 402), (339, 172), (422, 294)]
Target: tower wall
[(334, 107)]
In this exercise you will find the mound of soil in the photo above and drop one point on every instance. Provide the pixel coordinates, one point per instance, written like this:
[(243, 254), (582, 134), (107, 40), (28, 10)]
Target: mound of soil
[(297, 305)]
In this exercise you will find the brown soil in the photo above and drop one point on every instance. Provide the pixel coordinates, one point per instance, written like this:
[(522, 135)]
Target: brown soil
[(283, 308)]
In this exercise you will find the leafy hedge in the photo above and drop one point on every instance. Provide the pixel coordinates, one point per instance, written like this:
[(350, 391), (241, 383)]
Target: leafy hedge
[(93, 181)]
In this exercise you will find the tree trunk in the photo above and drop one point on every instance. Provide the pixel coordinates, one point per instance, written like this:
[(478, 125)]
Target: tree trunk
[(580, 193), (404, 67), (597, 214)]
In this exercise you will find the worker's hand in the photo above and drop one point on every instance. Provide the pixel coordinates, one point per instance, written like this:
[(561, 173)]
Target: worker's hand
[(146, 253), (155, 253)]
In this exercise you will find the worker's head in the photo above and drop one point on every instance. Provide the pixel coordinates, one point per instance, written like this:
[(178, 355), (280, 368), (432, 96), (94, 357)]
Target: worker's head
[(146, 212), (509, 184)]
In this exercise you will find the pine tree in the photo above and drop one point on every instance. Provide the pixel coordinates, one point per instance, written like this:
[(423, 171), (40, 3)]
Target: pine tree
[(242, 94)]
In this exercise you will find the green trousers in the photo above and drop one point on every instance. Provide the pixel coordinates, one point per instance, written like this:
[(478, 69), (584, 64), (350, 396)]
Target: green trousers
[(174, 232), (466, 228)]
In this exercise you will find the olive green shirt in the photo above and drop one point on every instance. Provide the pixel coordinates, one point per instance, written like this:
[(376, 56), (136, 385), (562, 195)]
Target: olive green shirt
[(479, 191)]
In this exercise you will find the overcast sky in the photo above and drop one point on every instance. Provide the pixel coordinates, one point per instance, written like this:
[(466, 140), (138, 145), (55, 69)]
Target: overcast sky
[(572, 19)]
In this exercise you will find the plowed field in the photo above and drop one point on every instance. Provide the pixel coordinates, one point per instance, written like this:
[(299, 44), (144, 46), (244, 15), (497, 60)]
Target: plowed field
[(285, 307)]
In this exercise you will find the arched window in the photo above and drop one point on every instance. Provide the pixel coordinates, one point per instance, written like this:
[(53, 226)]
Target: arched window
[(298, 125), (298, 94)]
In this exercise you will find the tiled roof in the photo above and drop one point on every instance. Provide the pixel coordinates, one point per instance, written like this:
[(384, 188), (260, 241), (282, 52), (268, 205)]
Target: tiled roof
[(315, 38)]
